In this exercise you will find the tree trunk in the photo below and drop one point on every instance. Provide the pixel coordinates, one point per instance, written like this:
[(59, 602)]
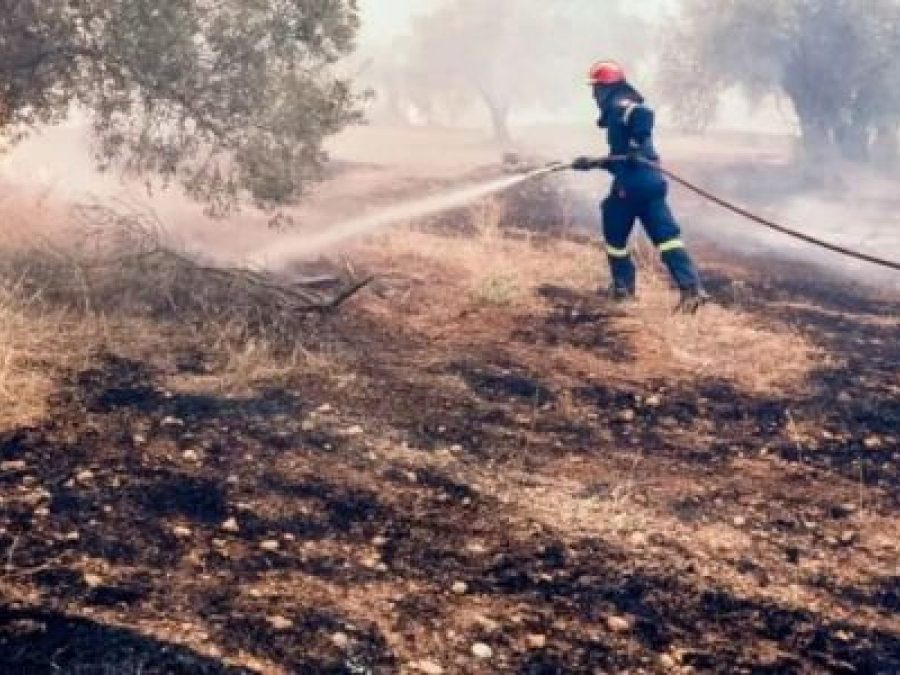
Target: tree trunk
[(500, 122), (499, 111)]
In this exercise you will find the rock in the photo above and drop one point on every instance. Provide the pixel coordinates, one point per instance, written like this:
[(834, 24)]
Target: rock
[(270, 545), (181, 531), (379, 541), (324, 409), (231, 525), (232, 480), (190, 455), (476, 548), (667, 662), (279, 622), (72, 536), (460, 588), (355, 430), (85, 476), (487, 624), (536, 641), (739, 521), (41, 512), (340, 640), (482, 651), (627, 416), (848, 538), (653, 401), (308, 426), (172, 422), (93, 580), (618, 624), (872, 443), (428, 667), (13, 465), (139, 439)]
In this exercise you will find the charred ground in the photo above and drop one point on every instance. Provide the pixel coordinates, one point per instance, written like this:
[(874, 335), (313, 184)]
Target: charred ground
[(454, 462)]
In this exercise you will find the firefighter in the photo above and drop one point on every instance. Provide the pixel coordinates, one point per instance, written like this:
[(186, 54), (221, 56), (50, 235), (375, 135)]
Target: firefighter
[(639, 189)]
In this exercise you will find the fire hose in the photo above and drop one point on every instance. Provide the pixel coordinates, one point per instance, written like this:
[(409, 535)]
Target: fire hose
[(749, 215)]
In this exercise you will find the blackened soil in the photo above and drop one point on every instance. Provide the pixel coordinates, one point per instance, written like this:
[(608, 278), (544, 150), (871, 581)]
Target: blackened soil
[(358, 506)]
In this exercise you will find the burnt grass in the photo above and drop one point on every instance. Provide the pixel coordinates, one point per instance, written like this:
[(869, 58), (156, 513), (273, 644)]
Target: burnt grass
[(96, 578)]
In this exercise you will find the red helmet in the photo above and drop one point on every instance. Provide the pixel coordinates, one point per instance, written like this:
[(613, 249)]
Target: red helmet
[(606, 72)]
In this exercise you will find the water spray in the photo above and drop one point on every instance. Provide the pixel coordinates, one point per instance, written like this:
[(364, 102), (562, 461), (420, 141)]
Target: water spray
[(301, 245)]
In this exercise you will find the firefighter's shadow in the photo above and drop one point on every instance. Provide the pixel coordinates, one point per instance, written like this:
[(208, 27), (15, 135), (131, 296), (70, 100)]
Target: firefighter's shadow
[(578, 319)]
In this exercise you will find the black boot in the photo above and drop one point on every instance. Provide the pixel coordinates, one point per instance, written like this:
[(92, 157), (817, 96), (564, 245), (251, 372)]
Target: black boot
[(692, 299)]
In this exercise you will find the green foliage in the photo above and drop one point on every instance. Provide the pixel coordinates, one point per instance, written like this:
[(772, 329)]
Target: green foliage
[(230, 98), (838, 61)]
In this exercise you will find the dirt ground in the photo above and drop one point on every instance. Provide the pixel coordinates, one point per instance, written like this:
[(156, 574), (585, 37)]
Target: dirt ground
[(479, 465)]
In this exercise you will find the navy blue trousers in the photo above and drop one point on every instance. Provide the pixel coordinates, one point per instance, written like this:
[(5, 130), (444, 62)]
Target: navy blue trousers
[(620, 212)]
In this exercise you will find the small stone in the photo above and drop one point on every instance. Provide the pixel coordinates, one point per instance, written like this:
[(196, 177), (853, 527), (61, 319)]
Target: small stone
[(428, 667), (379, 541), (739, 521), (280, 622), (232, 480), (93, 580), (618, 624), (488, 624), (355, 430), (872, 443), (172, 422), (72, 536), (41, 512), (270, 545), (324, 409), (537, 641), (190, 455), (667, 662), (181, 531), (231, 525), (139, 439), (85, 476), (460, 588), (844, 397), (482, 651), (627, 416), (13, 465), (848, 538), (340, 640), (308, 426), (653, 401)]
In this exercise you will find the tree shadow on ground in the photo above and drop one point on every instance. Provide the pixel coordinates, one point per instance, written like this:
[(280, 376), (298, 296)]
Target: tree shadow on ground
[(42, 643)]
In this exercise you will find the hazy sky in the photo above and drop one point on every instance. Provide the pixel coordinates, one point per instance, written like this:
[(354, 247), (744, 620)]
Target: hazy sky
[(384, 18)]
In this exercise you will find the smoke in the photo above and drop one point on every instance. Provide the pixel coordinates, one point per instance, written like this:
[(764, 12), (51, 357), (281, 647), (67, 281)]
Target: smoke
[(307, 245)]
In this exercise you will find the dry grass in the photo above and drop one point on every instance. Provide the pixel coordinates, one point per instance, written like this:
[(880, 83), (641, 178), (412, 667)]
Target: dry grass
[(501, 274), (35, 345)]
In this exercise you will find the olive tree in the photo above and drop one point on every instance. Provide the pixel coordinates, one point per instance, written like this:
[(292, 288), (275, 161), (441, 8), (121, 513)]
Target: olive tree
[(513, 55), (230, 98), (837, 61)]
